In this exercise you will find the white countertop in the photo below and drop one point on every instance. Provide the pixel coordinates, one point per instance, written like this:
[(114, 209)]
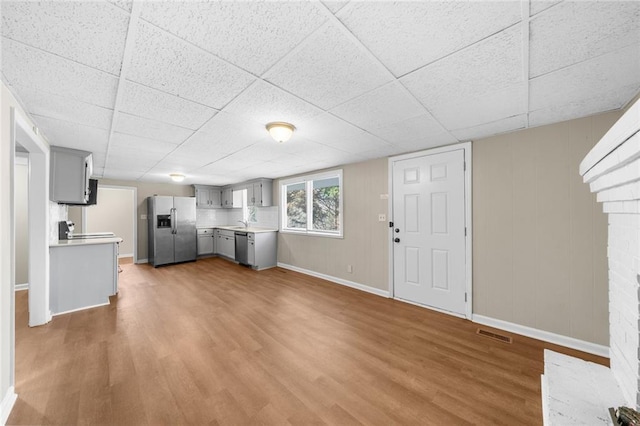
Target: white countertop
[(253, 229), (84, 242)]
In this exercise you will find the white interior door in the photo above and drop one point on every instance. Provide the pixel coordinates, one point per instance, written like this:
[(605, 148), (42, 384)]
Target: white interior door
[(429, 230)]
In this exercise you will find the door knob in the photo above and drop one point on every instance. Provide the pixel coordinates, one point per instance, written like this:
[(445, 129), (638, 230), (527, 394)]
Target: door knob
[(397, 240), (397, 230)]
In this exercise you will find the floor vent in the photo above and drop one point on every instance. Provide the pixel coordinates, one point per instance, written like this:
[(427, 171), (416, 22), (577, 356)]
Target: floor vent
[(495, 336)]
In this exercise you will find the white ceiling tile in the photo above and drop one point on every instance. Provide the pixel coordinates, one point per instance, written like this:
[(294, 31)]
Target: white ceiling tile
[(32, 68), (157, 105), (380, 107), (123, 157), (227, 133), (332, 131), (151, 129), (474, 79), (172, 65), (66, 109), (61, 28), (434, 140), (72, 135), (122, 4), (588, 105), (587, 29), (594, 79), (486, 108), (537, 6), (420, 127), (123, 174), (143, 146), (334, 5), (501, 126), (251, 35), (408, 35), (328, 70), (264, 103)]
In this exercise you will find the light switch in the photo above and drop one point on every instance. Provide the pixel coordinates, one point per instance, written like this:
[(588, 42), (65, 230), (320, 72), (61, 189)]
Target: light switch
[(382, 217), (384, 196)]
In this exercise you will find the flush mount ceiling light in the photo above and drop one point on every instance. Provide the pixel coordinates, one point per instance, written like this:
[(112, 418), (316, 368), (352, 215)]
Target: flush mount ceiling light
[(176, 177), (280, 131)]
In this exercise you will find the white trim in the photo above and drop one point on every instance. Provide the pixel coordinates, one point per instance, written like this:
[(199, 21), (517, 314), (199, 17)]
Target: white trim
[(544, 390), (20, 287), (545, 336), (432, 308), (120, 256), (466, 148), (145, 260), (7, 404), (347, 283), (308, 180), (81, 309)]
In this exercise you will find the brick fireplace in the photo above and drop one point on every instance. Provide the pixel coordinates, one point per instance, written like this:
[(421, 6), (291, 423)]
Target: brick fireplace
[(612, 170)]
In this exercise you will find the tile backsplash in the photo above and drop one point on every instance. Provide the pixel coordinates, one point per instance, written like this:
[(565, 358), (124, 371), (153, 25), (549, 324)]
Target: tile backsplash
[(267, 217)]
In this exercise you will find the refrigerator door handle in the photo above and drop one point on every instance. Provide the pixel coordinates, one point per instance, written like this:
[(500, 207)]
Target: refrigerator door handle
[(173, 220)]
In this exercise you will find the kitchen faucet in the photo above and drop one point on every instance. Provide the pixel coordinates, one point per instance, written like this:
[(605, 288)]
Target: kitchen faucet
[(245, 223)]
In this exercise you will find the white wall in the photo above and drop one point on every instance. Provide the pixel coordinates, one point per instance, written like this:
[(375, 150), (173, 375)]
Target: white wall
[(21, 208), (114, 212)]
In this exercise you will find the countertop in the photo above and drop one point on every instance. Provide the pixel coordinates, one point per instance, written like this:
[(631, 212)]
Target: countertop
[(85, 242), (253, 229)]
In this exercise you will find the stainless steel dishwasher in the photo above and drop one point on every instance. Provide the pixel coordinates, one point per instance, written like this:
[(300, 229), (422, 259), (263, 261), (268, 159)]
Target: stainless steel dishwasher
[(242, 249)]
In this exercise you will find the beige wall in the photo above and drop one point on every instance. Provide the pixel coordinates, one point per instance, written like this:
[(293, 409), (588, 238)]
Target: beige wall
[(114, 212), (365, 243), (21, 203), (146, 189), (539, 237)]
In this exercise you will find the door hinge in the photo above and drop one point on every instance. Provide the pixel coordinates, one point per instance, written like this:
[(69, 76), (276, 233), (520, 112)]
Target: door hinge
[(465, 231), (464, 166), (465, 298)]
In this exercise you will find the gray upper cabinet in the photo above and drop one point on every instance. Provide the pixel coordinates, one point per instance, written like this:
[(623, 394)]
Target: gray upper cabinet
[(259, 193), (207, 197), (227, 198), (70, 170)]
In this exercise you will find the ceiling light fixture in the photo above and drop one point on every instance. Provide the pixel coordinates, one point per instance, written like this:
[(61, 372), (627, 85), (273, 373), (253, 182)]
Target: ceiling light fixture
[(176, 177), (280, 131)]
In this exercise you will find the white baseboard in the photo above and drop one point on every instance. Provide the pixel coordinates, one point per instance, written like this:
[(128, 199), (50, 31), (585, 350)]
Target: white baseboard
[(336, 280), (142, 261), (125, 255), (7, 404), (546, 336), (81, 309), (20, 287)]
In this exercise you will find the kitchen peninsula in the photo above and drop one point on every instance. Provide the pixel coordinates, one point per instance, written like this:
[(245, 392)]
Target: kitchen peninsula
[(83, 273)]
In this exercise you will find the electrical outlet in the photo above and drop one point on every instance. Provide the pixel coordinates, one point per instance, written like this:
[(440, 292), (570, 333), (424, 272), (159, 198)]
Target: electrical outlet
[(350, 269), (143, 217), (382, 217), (384, 196)]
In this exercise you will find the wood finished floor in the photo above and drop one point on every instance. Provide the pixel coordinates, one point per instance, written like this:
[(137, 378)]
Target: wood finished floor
[(212, 343)]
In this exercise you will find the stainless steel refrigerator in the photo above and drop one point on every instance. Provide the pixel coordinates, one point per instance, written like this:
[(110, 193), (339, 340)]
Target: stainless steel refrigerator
[(172, 229)]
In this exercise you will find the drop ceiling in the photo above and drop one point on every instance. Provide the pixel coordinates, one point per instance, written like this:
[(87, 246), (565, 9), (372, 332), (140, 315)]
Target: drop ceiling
[(155, 87)]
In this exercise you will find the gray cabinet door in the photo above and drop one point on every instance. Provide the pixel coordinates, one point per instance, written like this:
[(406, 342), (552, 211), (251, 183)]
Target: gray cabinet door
[(163, 236), (184, 214)]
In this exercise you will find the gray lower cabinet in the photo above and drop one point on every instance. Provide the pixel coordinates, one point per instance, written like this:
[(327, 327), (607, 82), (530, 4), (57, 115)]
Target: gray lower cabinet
[(262, 249), (226, 243), (206, 241), (82, 276)]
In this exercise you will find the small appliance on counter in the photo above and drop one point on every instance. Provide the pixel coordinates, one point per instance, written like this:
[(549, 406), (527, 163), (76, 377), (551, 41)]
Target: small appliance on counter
[(65, 232)]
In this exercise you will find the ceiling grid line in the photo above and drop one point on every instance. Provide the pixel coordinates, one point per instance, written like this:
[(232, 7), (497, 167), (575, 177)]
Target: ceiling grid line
[(372, 56), (132, 32)]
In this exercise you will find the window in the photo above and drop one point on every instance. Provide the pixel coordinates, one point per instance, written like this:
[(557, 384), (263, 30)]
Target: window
[(312, 204)]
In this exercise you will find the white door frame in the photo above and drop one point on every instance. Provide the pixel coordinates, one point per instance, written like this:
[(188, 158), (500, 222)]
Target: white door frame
[(135, 215), (24, 133), (466, 147)]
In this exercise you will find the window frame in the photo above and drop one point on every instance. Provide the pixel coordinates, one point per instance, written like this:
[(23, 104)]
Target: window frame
[(308, 182)]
